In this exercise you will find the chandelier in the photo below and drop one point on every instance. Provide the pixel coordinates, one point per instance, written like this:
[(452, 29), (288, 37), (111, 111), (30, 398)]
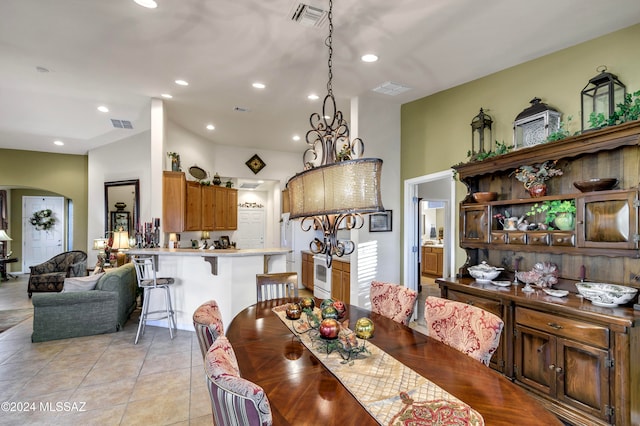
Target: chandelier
[(337, 186)]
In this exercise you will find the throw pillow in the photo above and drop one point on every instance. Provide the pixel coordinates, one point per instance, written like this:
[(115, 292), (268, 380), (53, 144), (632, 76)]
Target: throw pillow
[(75, 284)]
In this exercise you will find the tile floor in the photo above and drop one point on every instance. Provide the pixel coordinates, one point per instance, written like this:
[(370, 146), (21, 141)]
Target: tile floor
[(156, 382)]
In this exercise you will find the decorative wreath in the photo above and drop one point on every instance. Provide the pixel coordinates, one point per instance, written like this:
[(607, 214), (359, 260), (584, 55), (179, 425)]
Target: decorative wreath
[(43, 220)]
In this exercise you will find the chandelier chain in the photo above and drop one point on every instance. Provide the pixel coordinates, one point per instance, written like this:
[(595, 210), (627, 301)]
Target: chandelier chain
[(329, 44)]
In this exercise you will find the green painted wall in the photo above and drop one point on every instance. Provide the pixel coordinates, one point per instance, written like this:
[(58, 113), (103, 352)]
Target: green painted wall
[(42, 173), (436, 131)]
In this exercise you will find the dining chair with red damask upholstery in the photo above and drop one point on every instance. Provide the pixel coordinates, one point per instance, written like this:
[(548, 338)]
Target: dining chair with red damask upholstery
[(393, 301), (234, 400), (207, 321), (469, 329)]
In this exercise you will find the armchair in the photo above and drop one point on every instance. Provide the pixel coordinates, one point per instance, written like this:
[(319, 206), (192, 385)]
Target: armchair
[(49, 276)]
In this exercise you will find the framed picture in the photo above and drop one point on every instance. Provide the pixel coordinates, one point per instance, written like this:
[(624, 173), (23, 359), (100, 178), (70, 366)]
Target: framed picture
[(224, 241), (120, 220), (380, 222)]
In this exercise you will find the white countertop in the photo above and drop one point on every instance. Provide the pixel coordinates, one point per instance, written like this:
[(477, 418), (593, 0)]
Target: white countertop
[(209, 252)]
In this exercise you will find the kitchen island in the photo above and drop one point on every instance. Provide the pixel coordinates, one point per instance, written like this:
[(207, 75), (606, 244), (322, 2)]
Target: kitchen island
[(227, 275)]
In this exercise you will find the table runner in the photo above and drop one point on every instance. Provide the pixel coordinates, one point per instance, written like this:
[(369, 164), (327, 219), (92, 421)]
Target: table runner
[(391, 392)]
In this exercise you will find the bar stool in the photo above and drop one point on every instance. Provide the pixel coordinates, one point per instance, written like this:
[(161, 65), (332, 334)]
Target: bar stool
[(148, 281)]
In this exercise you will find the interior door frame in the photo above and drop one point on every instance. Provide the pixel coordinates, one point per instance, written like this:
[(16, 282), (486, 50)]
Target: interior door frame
[(411, 225)]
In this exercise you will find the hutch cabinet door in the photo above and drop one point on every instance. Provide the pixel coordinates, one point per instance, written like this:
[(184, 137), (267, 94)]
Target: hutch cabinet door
[(534, 359), (475, 222), (583, 377), (608, 220)]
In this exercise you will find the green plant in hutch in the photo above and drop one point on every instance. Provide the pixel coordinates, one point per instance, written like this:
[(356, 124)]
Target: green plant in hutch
[(558, 213), (629, 110)]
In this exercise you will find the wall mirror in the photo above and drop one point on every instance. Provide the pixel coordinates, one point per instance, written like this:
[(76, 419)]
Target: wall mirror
[(121, 206)]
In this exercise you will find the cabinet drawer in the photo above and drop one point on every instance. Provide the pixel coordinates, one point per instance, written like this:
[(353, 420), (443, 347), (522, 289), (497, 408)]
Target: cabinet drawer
[(493, 306), (517, 238), (538, 238), (499, 237), (579, 331), (567, 239)]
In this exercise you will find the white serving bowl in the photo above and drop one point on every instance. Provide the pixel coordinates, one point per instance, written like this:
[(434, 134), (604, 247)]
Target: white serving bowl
[(484, 272), (603, 294)]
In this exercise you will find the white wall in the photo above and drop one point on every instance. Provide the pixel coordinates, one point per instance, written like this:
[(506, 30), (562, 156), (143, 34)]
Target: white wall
[(122, 160), (377, 257)]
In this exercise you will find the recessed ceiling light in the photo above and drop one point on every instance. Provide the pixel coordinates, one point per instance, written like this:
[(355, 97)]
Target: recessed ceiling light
[(259, 85), (210, 127), (296, 138), (59, 143), (103, 108), (182, 83), (313, 97), (149, 4), (166, 96), (369, 57)]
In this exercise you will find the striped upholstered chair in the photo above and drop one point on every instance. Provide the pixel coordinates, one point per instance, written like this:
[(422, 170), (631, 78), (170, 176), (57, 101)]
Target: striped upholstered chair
[(207, 322), (234, 400), (467, 328), (392, 301)]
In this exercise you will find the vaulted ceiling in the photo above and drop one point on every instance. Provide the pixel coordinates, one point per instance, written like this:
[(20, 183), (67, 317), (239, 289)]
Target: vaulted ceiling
[(60, 60)]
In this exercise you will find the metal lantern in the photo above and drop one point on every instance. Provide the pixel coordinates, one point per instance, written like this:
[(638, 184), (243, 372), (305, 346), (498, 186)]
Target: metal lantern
[(533, 125), (601, 96), (480, 130)]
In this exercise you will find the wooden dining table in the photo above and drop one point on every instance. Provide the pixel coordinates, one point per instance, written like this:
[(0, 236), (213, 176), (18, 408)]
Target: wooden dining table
[(302, 391)]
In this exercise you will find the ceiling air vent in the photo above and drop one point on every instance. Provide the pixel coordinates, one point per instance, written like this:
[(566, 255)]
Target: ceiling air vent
[(249, 185), (390, 88), (308, 16), (121, 124)]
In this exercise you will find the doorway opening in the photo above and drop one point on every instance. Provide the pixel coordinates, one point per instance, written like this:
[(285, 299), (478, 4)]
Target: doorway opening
[(438, 187)]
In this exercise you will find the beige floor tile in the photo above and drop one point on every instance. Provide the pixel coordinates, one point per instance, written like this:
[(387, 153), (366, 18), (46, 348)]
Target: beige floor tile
[(98, 397), (62, 361), (48, 383), (160, 410), (107, 373), (201, 421), (107, 415), (176, 383), (200, 402), (157, 363)]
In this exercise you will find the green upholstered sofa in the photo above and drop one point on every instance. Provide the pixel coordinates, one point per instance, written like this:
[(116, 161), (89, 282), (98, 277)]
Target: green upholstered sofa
[(102, 310)]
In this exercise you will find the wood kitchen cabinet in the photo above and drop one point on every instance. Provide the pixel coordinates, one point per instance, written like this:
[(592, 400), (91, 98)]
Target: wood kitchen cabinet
[(225, 209), (307, 270), (174, 195), (193, 213), (207, 194), (190, 206), (341, 280), (432, 260)]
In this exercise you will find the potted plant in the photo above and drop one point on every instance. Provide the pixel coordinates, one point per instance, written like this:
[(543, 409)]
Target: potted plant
[(175, 161), (534, 177), (558, 213)]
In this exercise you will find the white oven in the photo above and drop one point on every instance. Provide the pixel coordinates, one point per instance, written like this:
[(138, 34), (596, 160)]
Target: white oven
[(321, 277)]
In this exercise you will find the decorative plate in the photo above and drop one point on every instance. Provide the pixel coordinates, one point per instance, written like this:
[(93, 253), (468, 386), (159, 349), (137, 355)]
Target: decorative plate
[(255, 163), (501, 283), (555, 293), (197, 172)]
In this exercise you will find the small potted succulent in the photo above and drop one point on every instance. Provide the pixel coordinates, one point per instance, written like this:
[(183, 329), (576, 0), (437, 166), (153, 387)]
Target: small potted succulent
[(534, 177)]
